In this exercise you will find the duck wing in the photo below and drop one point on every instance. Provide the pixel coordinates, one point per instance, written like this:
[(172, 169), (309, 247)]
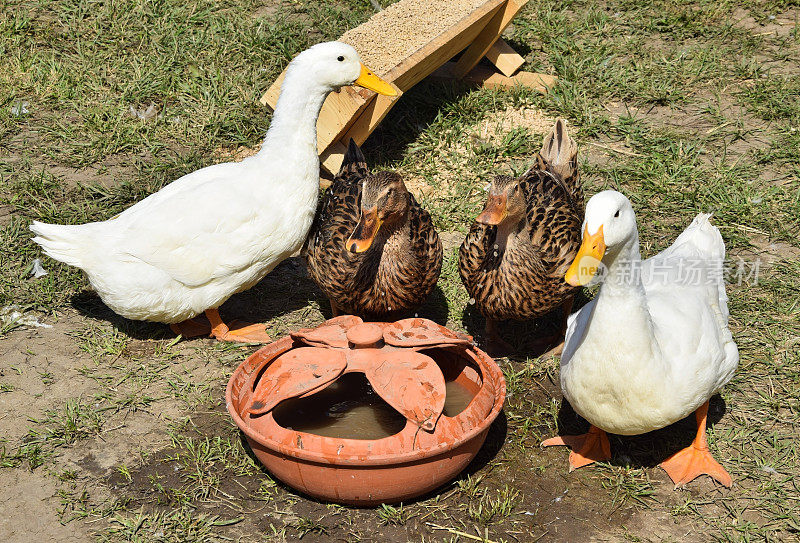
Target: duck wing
[(206, 227), (554, 196), (337, 215), (687, 300), (425, 245), (694, 260), (474, 252), (559, 156), (553, 222)]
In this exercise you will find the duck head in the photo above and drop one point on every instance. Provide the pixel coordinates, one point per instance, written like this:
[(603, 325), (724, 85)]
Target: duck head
[(384, 203), (609, 225), (335, 64), (505, 203)]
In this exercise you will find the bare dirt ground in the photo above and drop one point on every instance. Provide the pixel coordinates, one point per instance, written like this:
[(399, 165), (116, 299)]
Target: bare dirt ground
[(133, 458)]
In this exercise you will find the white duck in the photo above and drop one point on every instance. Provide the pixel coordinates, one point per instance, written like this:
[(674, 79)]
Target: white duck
[(654, 344), (219, 230)]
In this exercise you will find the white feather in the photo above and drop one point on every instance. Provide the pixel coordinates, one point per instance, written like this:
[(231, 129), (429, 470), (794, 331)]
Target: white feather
[(644, 354)]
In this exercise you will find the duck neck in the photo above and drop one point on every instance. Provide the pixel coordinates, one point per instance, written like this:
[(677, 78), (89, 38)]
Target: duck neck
[(293, 131), (621, 314), (623, 267), (394, 235), (507, 233)]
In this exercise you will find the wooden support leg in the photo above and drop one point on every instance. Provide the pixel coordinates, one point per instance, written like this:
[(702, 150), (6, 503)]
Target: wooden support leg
[(505, 59), (368, 120), (488, 36), (489, 79)]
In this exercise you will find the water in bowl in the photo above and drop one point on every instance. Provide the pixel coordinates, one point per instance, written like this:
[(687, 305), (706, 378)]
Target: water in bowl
[(348, 408)]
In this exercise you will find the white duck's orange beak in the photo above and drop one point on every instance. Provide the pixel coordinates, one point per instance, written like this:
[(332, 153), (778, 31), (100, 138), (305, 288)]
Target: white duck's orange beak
[(370, 81), (588, 259)]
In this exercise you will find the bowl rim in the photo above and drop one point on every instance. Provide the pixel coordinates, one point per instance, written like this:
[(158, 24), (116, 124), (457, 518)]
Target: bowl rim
[(487, 365)]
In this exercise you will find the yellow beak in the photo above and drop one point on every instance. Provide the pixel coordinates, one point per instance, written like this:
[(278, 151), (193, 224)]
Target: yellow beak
[(365, 231), (587, 261), (370, 81)]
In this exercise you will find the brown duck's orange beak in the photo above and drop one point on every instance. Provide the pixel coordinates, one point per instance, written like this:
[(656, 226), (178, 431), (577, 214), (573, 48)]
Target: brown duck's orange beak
[(369, 80), (495, 210), (366, 229), (588, 259)]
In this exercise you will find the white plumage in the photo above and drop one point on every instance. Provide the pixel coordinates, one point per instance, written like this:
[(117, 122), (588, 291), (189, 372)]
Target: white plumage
[(190, 246), (653, 345), (646, 353), (219, 230)]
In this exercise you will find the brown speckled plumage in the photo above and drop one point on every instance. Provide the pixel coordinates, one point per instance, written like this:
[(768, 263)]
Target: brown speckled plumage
[(400, 268), (516, 271)]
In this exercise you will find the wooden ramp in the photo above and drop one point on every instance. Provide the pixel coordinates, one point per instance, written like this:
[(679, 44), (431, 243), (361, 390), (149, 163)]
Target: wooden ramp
[(475, 33)]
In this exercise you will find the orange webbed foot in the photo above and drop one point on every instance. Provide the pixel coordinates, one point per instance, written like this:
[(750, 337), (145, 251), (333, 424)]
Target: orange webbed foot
[(555, 351), (195, 327), (242, 332), (212, 325), (547, 346), (696, 460), (692, 462), (587, 448)]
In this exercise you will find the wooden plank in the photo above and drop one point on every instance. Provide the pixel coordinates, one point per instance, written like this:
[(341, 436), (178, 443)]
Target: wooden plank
[(419, 65), (369, 119), (489, 79), (339, 111), (406, 74), (270, 98), (331, 159), (504, 58), (361, 128), (483, 42), (427, 59), (355, 114)]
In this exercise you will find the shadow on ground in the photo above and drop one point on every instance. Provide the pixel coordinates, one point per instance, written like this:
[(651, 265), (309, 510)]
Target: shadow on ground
[(645, 450), (416, 110), (283, 291), (524, 336)]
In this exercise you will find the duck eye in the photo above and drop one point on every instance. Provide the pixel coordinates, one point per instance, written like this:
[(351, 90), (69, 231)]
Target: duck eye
[(340, 58), (616, 214)]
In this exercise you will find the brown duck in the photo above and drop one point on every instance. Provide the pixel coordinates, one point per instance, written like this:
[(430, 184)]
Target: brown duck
[(518, 249), (372, 249)]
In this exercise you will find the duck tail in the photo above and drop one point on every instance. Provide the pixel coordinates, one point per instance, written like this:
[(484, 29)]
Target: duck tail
[(64, 243), (706, 237), (354, 161), (559, 156)]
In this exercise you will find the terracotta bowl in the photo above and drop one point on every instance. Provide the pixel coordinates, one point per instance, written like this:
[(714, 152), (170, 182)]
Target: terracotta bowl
[(430, 450)]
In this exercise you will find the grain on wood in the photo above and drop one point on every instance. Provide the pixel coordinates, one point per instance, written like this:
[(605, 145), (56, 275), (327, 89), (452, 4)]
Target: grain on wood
[(394, 34)]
